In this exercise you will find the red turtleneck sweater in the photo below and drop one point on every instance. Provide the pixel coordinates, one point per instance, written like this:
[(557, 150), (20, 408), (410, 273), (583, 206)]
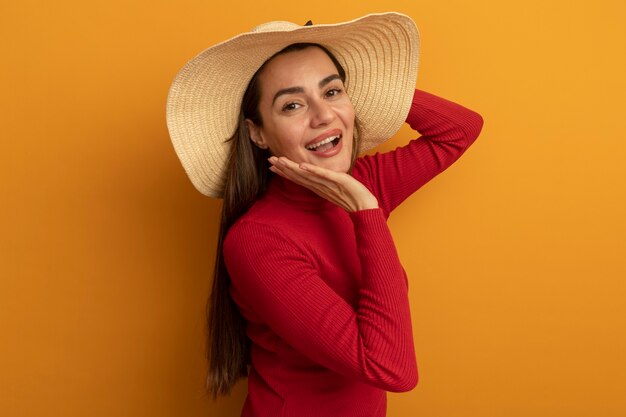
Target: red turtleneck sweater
[(323, 290)]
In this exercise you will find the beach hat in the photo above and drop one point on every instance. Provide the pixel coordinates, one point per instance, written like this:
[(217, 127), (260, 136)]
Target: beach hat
[(379, 53)]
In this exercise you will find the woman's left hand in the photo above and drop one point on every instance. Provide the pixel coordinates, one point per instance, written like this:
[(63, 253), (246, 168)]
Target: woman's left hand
[(337, 187)]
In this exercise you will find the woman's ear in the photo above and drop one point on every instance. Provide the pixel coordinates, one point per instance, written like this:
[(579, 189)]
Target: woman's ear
[(254, 133)]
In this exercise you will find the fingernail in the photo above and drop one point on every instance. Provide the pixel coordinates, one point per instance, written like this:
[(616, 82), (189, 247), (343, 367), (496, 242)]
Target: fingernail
[(304, 167)]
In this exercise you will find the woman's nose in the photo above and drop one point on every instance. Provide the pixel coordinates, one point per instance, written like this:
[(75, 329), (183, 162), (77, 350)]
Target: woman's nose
[(321, 113)]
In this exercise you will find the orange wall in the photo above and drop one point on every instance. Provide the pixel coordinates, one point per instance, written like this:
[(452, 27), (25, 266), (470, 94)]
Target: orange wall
[(516, 254)]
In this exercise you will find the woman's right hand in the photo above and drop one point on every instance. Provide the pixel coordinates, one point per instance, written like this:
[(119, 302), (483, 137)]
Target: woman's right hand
[(337, 187)]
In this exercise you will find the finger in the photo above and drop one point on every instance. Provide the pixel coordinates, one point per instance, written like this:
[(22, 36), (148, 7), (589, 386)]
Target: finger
[(321, 186), (310, 171), (293, 171), (335, 186), (320, 172)]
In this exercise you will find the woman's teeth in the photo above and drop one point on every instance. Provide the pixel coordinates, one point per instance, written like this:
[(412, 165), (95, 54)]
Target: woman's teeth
[(324, 142)]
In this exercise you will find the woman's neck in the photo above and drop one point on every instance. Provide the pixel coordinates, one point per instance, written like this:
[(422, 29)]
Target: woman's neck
[(297, 194)]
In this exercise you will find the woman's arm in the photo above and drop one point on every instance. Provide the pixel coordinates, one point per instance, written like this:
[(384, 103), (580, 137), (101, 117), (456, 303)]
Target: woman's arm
[(447, 129), (277, 279)]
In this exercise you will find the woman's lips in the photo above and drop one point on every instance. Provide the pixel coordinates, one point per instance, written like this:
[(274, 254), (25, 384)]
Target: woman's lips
[(324, 136), (329, 149), (327, 143)]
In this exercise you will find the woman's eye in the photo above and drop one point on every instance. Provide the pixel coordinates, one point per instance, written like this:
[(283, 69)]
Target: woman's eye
[(333, 92), (290, 106)]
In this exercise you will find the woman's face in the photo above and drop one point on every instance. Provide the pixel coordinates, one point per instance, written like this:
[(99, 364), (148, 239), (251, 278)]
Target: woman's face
[(305, 111)]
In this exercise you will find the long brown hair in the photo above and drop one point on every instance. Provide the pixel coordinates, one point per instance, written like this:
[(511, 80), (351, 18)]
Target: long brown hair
[(247, 176)]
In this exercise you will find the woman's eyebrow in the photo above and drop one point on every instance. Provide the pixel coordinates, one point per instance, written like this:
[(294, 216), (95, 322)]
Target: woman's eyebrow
[(329, 79), (290, 90), (294, 90)]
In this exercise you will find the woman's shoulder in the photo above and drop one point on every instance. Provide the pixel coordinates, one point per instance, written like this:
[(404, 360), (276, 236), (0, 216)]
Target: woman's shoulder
[(253, 218), (256, 235), (362, 166), (261, 222)]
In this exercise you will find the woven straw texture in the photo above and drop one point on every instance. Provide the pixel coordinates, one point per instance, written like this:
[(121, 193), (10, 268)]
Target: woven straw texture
[(379, 53)]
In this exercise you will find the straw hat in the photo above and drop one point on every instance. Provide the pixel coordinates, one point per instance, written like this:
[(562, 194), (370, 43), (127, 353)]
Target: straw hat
[(379, 53)]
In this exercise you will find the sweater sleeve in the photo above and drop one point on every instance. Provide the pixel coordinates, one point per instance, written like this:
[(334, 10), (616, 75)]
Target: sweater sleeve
[(279, 281), (447, 130)]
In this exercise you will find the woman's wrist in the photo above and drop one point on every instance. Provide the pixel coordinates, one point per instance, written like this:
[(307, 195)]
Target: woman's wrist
[(367, 204)]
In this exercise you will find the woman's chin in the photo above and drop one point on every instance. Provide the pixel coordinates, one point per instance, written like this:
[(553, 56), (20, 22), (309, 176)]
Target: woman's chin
[(339, 165)]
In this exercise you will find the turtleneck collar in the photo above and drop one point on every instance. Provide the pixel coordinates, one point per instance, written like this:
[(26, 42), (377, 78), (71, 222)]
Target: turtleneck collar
[(296, 194)]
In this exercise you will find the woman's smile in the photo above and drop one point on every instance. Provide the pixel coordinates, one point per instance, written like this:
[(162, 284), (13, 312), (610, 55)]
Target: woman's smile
[(327, 144)]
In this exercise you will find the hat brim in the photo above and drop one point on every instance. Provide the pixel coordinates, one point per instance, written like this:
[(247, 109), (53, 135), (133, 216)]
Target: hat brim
[(379, 53)]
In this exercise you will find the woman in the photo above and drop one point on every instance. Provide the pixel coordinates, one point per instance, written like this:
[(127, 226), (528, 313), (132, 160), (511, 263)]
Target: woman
[(309, 298)]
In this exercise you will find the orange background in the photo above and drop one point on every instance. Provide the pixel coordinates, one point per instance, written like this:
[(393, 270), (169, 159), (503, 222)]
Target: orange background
[(516, 254)]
